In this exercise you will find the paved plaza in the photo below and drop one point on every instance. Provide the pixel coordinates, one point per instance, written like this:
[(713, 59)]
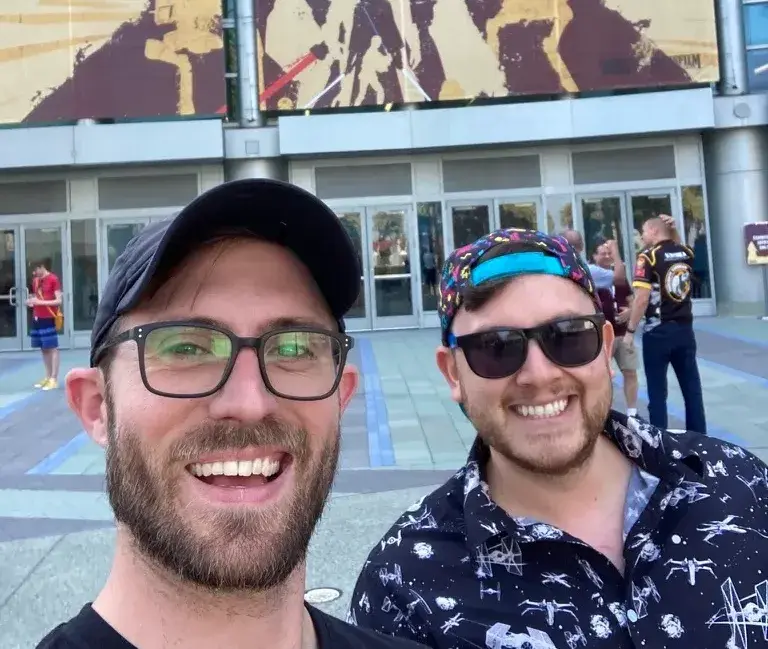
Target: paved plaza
[(402, 436)]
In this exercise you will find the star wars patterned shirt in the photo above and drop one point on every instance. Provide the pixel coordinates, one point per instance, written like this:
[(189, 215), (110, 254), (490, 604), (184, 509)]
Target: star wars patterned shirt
[(666, 269), (455, 571)]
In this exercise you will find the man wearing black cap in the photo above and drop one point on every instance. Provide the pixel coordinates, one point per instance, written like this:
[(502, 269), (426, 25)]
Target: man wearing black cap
[(217, 384), (570, 525)]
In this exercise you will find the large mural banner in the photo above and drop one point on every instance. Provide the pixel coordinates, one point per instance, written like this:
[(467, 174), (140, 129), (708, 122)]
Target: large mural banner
[(338, 53), (64, 60)]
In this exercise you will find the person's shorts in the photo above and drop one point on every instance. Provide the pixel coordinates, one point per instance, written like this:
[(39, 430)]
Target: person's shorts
[(44, 334), (626, 356)]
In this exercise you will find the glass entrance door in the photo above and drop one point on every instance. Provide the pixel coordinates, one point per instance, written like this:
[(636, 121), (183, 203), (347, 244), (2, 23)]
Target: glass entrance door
[(621, 216), (602, 218), (11, 290), (382, 239), (389, 251), (519, 213), (646, 206), (469, 222), (115, 237), (43, 244), (354, 222)]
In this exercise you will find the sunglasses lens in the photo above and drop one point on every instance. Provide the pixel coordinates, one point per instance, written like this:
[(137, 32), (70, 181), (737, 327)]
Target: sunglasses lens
[(495, 354), (572, 342)]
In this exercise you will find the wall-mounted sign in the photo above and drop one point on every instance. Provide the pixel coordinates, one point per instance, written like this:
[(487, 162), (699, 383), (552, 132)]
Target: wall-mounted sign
[(756, 243)]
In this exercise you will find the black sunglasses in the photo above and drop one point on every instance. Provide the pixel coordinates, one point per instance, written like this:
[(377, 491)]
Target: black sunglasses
[(499, 353)]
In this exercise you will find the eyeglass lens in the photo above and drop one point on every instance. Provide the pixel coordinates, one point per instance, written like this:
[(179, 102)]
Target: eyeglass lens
[(183, 360), (497, 354)]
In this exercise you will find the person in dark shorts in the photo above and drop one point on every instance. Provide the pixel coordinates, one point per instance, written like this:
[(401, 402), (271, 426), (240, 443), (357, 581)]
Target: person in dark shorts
[(45, 303), (217, 383), (616, 308), (663, 290)]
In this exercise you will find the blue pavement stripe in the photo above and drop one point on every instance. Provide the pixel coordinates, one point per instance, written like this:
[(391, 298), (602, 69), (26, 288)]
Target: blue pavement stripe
[(380, 450), (20, 403), (704, 326), (60, 455), (679, 413)]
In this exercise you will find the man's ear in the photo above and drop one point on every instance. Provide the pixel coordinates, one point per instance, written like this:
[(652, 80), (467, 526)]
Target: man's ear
[(86, 397), (350, 380), (446, 363)]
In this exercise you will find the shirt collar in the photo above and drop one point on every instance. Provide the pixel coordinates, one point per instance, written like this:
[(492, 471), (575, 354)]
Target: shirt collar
[(671, 458)]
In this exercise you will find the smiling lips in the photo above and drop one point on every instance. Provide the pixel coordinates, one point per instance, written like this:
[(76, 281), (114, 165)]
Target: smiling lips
[(542, 411), (240, 473)]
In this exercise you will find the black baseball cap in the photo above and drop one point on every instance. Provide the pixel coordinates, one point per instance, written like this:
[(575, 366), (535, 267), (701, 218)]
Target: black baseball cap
[(270, 209)]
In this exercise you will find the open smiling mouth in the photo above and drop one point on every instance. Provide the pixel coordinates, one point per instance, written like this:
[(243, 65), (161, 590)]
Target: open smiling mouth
[(242, 474)]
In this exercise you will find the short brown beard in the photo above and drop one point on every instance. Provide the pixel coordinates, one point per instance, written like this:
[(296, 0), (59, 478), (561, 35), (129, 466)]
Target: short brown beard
[(230, 550), (594, 422)]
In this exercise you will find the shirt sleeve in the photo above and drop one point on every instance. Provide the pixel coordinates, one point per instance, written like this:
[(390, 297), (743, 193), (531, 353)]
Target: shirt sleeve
[(603, 277), (643, 277), (375, 606), (55, 285)]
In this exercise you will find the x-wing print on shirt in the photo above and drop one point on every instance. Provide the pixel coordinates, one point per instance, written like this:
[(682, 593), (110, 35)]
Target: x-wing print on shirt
[(457, 572)]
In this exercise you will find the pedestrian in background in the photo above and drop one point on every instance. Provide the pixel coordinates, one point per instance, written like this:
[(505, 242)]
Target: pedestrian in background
[(663, 291), (45, 303), (616, 303)]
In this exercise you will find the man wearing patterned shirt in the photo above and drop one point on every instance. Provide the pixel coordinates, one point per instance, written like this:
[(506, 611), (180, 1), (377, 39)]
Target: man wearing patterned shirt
[(570, 525)]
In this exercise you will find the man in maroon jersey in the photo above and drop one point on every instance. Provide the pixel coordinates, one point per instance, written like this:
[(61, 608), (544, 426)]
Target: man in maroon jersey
[(616, 302)]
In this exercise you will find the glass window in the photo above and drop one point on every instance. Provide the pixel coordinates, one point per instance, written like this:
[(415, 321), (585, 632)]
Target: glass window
[(430, 223), (559, 213), (470, 222), (756, 23), (85, 282), (695, 236), (118, 236), (391, 263), (353, 224), (518, 215), (757, 70), (644, 207), (602, 221), (231, 76)]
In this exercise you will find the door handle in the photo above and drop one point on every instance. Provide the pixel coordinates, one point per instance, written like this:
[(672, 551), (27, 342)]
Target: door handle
[(12, 296)]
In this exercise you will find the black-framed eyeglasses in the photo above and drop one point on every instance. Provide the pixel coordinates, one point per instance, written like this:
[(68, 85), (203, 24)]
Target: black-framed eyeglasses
[(188, 359), (501, 352)]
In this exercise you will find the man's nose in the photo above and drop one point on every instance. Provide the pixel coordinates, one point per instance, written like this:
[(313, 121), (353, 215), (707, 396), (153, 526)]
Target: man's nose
[(538, 369), (244, 397)]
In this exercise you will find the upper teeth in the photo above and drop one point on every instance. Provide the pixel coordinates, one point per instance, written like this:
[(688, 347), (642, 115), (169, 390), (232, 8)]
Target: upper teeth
[(265, 467), (546, 410)]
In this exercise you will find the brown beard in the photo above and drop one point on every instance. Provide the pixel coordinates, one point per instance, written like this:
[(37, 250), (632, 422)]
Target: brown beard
[(227, 550), (495, 436)]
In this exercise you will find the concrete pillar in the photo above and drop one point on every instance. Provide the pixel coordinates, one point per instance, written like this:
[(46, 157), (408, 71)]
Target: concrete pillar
[(733, 56), (736, 162), (247, 78), (257, 168)]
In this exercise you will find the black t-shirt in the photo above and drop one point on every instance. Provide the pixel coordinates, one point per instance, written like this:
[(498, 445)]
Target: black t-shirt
[(666, 269), (88, 630)]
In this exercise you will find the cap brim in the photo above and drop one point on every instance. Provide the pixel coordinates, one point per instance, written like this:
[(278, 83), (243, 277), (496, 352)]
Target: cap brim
[(274, 211)]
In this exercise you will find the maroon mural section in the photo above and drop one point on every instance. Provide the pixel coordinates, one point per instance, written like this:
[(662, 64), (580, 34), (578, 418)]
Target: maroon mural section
[(338, 53), (166, 60)]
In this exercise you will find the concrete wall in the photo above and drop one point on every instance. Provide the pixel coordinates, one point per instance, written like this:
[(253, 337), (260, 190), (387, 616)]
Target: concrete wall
[(736, 162)]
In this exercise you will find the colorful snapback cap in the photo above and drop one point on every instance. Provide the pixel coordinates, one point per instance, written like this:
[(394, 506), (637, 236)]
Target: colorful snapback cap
[(524, 252)]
